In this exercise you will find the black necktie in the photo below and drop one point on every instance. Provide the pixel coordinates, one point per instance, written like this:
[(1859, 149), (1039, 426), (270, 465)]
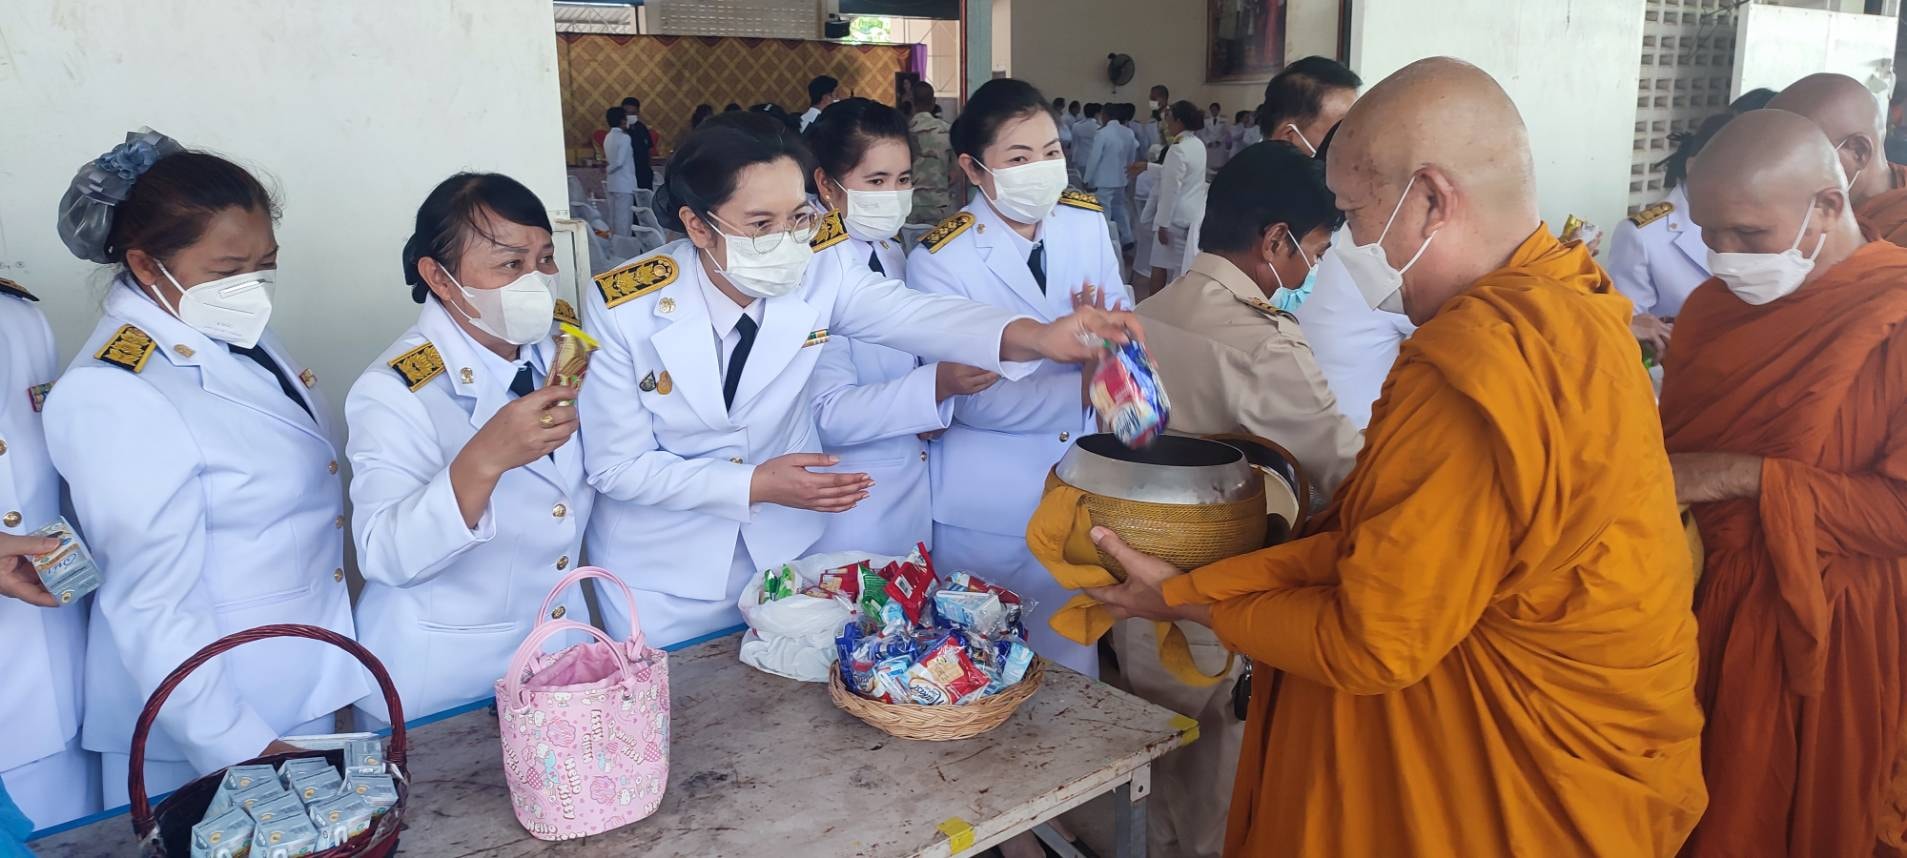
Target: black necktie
[(739, 358), (523, 383), (284, 381), (874, 262), (1037, 262)]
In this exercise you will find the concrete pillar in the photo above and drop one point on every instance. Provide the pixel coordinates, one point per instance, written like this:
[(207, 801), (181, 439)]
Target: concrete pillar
[(979, 43)]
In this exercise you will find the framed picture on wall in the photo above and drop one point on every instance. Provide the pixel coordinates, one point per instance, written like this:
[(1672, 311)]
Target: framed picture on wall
[(1244, 39)]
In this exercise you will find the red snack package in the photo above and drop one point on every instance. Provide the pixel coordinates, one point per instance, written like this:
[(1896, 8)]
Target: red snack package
[(948, 670), (910, 586), (845, 581)]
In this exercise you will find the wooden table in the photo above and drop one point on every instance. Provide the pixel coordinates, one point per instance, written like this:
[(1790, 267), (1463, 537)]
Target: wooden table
[(763, 766)]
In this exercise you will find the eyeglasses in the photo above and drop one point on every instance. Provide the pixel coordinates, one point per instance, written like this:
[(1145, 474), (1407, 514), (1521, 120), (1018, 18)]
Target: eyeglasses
[(801, 227)]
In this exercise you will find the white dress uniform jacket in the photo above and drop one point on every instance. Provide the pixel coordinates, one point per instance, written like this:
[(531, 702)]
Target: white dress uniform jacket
[(1657, 257), (444, 606), (674, 465), (213, 504), (871, 404), (40, 696)]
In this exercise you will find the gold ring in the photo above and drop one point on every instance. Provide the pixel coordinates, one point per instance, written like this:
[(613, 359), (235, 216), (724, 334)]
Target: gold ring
[(548, 420)]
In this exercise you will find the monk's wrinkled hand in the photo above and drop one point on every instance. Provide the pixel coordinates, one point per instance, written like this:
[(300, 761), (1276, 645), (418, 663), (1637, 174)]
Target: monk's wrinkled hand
[(1141, 595), (1710, 477)]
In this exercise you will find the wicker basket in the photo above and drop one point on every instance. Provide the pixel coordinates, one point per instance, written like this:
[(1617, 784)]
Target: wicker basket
[(1186, 535), (937, 723), (167, 830)]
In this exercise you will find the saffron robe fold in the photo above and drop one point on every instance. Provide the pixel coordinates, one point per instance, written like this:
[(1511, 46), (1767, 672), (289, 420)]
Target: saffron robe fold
[(1885, 214), (1487, 647)]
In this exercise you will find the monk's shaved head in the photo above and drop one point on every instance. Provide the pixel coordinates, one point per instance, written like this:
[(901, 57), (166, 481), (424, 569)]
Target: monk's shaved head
[(1445, 129), (1762, 176), (1851, 118)]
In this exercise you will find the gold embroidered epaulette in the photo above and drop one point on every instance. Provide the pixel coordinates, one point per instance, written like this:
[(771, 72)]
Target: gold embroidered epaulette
[(567, 314), (8, 287), (1080, 200), (943, 232), (418, 366), (830, 232), (1652, 214), (636, 279), (1264, 306), (129, 349)]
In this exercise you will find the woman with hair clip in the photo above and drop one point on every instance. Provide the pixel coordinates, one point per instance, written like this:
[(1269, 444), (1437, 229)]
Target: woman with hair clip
[(203, 471), (1026, 244), (467, 490), (703, 438), (1656, 256), (874, 404)]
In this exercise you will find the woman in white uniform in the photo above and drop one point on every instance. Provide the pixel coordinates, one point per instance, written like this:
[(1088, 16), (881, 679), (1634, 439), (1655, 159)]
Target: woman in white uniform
[(1656, 256), (1181, 195), (202, 469), (874, 404), (468, 493), (42, 764), (1028, 245), (702, 436)]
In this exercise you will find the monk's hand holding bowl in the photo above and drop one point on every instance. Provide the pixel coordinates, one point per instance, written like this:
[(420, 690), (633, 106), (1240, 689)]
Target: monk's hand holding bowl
[(1710, 477), (1141, 595)]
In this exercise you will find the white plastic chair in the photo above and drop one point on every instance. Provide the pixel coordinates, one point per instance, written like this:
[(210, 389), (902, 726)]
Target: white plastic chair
[(647, 239), (645, 198), (646, 216), (627, 247), (576, 189)]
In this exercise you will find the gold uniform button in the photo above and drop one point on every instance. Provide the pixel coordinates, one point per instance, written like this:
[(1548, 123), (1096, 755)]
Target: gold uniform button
[(562, 563), (3, 448), (560, 511), (558, 613), (337, 574), (12, 519), (923, 455), (1064, 437), (735, 460), (333, 467)]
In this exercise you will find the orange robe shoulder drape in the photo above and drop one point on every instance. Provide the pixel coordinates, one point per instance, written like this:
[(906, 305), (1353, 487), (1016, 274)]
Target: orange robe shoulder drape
[(1886, 214), (1803, 604), (1488, 648)]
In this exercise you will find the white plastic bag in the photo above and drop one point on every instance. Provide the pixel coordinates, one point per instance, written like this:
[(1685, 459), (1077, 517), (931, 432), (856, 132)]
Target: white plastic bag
[(794, 637)]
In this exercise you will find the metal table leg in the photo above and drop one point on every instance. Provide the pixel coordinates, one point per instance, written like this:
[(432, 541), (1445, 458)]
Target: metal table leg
[(1129, 814)]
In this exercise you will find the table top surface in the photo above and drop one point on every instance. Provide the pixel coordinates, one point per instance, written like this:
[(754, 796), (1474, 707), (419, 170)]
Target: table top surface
[(764, 766)]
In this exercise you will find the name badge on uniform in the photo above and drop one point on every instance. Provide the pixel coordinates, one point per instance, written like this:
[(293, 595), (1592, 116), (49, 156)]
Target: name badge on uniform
[(816, 338), (36, 395)]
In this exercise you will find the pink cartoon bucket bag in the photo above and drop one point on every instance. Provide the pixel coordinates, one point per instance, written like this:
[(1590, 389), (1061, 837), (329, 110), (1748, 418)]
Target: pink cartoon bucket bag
[(585, 729)]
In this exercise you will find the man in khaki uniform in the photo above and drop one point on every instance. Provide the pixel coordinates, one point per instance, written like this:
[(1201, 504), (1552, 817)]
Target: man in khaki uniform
[(1234, 363), (934, 198)]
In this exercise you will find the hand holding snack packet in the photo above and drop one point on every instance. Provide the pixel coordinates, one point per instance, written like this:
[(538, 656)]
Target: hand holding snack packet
[(1126, 391)]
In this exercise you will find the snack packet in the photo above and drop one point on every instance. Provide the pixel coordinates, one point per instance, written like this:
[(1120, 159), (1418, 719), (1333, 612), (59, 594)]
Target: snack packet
[(258, 792), (1014, 663), (341, 818), (297, 767), (890, 679), (777, 584), (873, 594), (68, 572), (945, 674), (244, 777), (378, 791), (227, 835), (318, 785), (364, 757), (980, 613), (845, 582), (281, 805), (572, 356), (1127, 394), (286, 837)]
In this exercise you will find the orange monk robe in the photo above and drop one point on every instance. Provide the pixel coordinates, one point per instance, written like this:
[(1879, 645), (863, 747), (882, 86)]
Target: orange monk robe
[(1803, 602), (1488, 648), (1886, 214)]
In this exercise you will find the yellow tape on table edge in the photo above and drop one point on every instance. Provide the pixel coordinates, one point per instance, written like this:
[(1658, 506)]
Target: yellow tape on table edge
[(959, 834), (1187, 727)]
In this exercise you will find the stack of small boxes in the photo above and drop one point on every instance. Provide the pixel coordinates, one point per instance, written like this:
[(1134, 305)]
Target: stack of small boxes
[(304, 806)]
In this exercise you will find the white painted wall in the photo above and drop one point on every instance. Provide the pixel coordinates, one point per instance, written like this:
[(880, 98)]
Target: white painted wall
[(1570, 65), (1776, 46), (351, 109)]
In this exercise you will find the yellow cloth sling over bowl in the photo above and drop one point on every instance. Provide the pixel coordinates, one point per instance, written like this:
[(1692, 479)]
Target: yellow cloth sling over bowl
[(1189, 501)]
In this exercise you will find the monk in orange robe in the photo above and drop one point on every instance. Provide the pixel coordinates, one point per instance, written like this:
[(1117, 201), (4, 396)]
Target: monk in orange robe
[(1785, 414), (1851, 118), (1486, 649)]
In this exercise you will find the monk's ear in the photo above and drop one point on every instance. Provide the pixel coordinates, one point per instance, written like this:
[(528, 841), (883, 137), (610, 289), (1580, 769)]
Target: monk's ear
[(1832, 202), (1440, 199), (1866, 152)]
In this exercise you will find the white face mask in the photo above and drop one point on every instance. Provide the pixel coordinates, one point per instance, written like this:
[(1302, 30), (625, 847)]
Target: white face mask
[(1152, 104), (1028, 192), (1370, 268), (765, 274), (1857, 173), (629, 121), (231, 309), (1303, 139), (1758, 278), (519, 313), (876, 215)]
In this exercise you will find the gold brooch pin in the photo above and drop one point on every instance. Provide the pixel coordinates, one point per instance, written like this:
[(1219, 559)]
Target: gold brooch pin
[(665, 306), (648, 383), (663, 384), (182, 350), (467, 375)]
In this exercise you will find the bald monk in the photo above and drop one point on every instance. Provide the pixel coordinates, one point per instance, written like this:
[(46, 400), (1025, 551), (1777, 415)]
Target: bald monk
[(1487, 648), (1785, 414), (1852, 120)]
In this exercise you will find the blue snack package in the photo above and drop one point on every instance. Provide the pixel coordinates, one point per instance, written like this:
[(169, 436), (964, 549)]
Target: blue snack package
[(1128, 395)]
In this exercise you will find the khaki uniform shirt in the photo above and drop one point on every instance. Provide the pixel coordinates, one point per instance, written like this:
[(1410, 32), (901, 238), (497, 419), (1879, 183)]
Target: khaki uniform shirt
[(933, 168), (1234, 363)]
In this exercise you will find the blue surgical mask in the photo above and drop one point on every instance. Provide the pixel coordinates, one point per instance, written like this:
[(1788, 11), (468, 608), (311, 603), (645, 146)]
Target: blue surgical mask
[(1289, 300)]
